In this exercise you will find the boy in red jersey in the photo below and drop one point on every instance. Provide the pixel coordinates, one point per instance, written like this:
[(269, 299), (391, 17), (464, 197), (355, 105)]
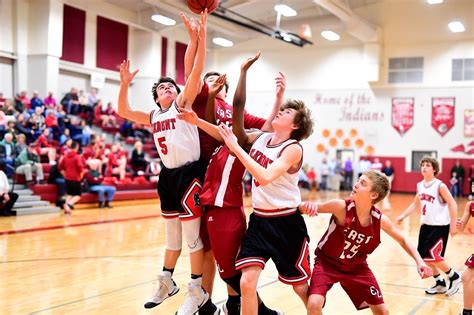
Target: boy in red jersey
[(354, 233), (468, 274)]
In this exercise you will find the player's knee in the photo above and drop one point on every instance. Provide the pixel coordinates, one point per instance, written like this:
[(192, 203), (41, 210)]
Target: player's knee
[(315, 305), (301, 289), (380, 309), (247, 284), (467, 277)]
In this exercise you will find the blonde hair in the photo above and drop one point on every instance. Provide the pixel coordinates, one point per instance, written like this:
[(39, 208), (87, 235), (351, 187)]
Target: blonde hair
[(380, 184)]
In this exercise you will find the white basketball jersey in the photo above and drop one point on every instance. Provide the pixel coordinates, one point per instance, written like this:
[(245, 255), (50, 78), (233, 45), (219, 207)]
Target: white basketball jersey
[(282, 195), (177, 142), (434, 210)]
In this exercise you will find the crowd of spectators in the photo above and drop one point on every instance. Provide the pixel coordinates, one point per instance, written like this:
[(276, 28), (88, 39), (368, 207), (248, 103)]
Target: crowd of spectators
[(35, 132)]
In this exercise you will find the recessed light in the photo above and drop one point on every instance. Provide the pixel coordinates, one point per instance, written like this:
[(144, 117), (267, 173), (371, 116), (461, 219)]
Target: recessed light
[(222, 42), (434, 1), (285, 10), (456, 27), (163, 19), (330, 35)]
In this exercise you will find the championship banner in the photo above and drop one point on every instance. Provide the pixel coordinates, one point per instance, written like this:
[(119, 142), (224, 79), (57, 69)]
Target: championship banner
[(469, 122), (402, 113), (442, 114)]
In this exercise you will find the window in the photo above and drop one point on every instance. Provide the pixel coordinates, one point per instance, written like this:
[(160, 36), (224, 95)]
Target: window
[(462, 69), (416, 157), (405, 70)]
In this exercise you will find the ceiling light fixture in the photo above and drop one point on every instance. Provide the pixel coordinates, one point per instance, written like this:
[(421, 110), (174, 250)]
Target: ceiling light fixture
[(222, 42), (163, 20), (285, 10), (434, 1), (456, 27), (330, 35)]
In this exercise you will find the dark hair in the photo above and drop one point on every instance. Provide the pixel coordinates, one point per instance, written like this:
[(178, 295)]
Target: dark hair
[(302, 119), (74, 145), (163, 80), (213, 73), (434, 163)]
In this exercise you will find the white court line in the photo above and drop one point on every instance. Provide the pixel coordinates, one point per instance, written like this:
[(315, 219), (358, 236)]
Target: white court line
[(422, 298)]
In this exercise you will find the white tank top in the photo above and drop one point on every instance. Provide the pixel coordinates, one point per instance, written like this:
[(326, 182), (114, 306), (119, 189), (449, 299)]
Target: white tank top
[(434, 210), (281, 196), (177, 142)]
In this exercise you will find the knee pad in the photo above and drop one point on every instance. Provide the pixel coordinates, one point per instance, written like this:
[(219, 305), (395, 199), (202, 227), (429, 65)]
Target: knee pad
[(173, 234), (191, 234), (234, 282)]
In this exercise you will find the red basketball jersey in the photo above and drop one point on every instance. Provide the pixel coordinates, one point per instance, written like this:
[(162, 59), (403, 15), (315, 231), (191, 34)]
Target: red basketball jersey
[(223, 182), (223, 113), (347, 246)]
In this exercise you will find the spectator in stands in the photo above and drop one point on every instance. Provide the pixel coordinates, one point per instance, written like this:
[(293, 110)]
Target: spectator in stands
[(44, 146), (37, 121), (7, 153), (7, 197), (55, 177), (453, 189), (390, 172), (377, 165), (19, 105), (138, 162), (64, 137), (20, 144), (50, 101), (3, 120), (116, 163), (24, 99), (94, 179), (338, 175), (22, 125), (86, 133), (364, 166), (107, 116), (70, 102), (348, 174), (312, 178), (324, 175), (66, 147), (93, 98), (11, 129), (28, 162), (73, 170), (2, 100), (459, 170), (36, 101), (51, 122)]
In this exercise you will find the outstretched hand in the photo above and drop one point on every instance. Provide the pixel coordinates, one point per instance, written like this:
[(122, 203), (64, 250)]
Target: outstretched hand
[(280, 82), (249, 62), (228, 136), (309, 208), (192, 26), (203, 24), (217, 85), (125, 75), (188, 116)]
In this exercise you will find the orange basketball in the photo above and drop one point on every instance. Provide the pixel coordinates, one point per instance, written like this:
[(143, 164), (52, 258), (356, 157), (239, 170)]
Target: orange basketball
[(197, 6)]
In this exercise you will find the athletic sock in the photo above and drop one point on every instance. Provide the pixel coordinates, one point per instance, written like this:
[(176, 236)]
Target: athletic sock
[(168, 270), (466, 312)]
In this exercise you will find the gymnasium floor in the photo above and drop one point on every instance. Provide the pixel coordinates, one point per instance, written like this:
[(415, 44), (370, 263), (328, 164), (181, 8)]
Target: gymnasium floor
[(104, 262)]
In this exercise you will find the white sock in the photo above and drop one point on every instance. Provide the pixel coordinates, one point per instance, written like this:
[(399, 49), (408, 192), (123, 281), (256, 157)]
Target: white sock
[(450, 273), (196, 282)]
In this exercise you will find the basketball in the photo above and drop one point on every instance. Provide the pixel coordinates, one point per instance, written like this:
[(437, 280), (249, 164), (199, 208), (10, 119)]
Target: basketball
[(197, 6)]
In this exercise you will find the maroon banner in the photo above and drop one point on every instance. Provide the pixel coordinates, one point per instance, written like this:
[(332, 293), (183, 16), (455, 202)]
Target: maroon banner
[(469, 122), (442, 114), (402, 114)]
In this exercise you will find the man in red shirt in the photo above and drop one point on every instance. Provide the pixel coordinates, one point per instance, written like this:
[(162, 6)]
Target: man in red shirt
[(72, 168)]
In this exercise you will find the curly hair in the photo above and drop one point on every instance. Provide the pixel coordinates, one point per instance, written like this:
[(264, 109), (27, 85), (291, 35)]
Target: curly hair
[(302, 119)]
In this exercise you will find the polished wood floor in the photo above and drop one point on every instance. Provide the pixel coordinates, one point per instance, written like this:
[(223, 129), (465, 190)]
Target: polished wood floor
[(104, 262)]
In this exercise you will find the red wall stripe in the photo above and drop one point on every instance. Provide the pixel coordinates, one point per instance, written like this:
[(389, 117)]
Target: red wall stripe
[(164, 55), (112, 43), (74, 33), (180, 51)]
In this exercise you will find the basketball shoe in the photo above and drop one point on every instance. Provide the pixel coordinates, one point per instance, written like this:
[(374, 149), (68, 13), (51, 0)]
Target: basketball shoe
[(194, 300), (166, 288)]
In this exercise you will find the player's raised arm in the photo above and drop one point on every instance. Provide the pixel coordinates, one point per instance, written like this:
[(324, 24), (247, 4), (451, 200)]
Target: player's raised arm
[(124, 109), (214, 89), (193, 84), (280, 82), (240, 98)]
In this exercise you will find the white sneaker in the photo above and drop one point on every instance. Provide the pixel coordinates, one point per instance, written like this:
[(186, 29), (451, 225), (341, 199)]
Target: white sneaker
[(166, 288), (454, 286), (437, 289), (194, 300)]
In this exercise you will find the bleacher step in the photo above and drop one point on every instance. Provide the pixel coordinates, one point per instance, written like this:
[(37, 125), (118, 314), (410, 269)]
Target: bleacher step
[(28, 198), (28, 204), (36, 210), (22, 192), (19, 186)]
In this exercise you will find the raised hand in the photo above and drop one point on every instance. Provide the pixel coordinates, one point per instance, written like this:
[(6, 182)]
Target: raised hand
[(228, 136), (249, 62), (203, 23), (217, 85), (280, 82), (309, 208), (125, 75), (424, 271), (188, 116), (192, 26)]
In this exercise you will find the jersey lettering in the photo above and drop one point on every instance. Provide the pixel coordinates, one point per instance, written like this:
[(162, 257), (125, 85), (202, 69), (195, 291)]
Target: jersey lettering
[(260, 158), (167, 124), (427, 198)]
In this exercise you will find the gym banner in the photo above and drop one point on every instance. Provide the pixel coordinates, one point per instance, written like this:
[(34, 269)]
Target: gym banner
[(402, 113), (442, 114), (469, 122)]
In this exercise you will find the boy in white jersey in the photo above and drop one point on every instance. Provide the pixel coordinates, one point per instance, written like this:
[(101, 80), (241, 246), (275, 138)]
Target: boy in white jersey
[(181, 179), (438, 220)]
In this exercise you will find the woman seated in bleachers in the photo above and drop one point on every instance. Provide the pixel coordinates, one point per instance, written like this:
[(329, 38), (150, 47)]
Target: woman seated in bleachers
[(44, 146), (117, 163)]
